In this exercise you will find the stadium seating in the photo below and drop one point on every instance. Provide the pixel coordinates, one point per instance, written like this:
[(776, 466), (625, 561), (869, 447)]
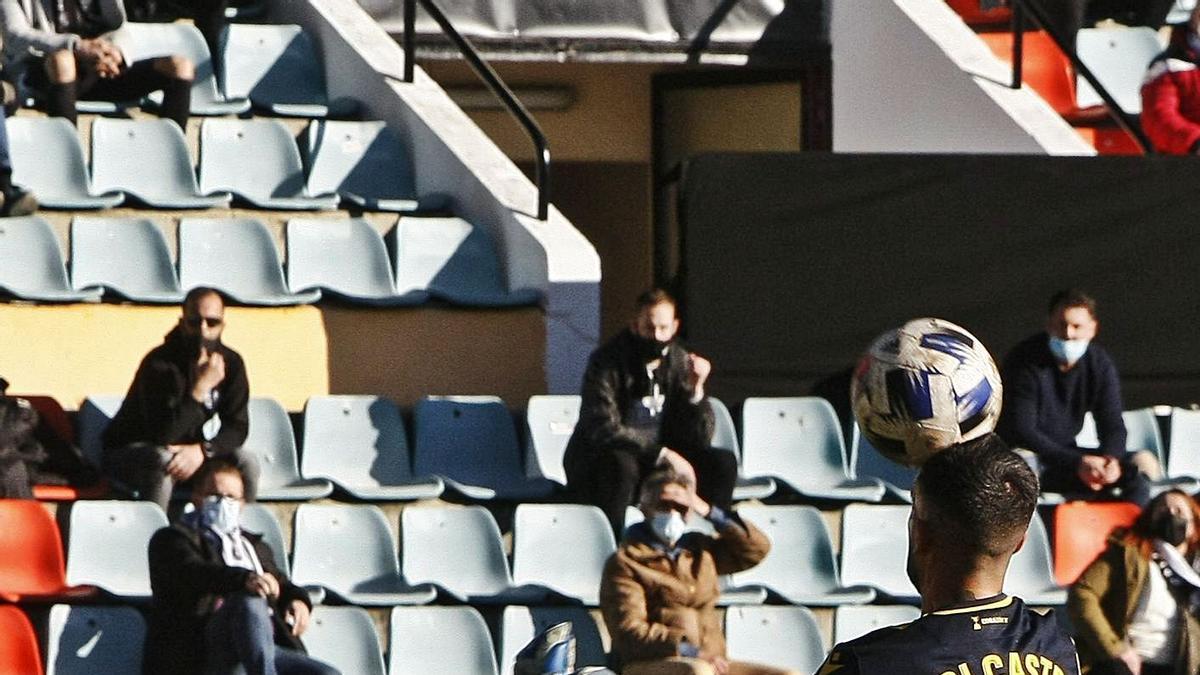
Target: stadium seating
[(439, 641), (257, 161), (18, 643), (272, 442), (1046, 69), (972, 14), (801, 567), (275, 67), (359, 442), (107, 546), (784, 637), (868, 462), (148, 160), (343, 258), (149, 40), (1183, 460), (549, 420), (1141, 428), (471, 443), (725, 436), (798, 442), (452, 260), (1031, 572), (83, 640), (363, 163), (259, 519), (520, 625), (48, 159), (345, 638), (874, 550), (237, 256), (348, 550), (93, 417), (1081, 532), (459, 550), (851, 622), (31, 555), (33, 266), (52, 416), (563, 548), (125, 256), (1119, 58)]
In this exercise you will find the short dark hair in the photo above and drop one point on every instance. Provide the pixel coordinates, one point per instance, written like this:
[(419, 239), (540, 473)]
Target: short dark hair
[(656, 296), (215, 465), (660, 478), (1072, 297), (194, 296), (979, 493)]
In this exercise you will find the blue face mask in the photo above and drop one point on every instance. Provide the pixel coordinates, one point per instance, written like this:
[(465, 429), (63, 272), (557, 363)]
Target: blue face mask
[(1068, 351)]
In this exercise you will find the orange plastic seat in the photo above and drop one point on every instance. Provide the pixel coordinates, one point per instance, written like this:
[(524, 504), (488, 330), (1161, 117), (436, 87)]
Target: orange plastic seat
[(32, 566), (1045, 68), (1116, 141), (18, 644), (1081, 532), (972, 15)]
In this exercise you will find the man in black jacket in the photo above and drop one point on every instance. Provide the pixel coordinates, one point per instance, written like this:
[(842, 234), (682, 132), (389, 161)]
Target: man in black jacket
[(644, 404), (220, 601), (183, 389)]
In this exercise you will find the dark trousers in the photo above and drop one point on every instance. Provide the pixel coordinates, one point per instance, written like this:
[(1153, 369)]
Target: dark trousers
[(134, 82), (1131, 487), (142, 468), (240, 633)]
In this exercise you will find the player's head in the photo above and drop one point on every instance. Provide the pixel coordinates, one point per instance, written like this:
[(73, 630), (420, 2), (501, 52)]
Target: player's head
[(972, 504), (656, 322)]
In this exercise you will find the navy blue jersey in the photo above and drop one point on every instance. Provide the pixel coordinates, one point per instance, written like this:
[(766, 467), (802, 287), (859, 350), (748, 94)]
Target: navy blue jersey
[(994, 636)]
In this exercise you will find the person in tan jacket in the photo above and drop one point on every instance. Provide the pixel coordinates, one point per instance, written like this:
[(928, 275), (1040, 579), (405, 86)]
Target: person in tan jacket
[(1134, 608), (659, 590)]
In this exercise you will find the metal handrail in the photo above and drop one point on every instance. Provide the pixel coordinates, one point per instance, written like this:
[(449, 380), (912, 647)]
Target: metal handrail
[(494, 84), (1035, 10)]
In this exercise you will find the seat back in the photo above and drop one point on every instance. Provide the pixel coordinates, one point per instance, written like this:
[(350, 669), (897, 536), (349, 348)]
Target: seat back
[(550, 421), (93, 418), (1183, 457), (754, 634), (150, 40), (563, 547), (869, 462), (31, 553), (801, 560), (797, 439), (259, 519), (48, 159), (1118, 57), (440, 641), (355, 441), (126, 255), (33, 266), (1081, 532), (1031, 570), (362, 161), (271, 440), (146, 158), (724, 433), (1142, 433), (257, 159), (51, 415), (1046, 69), (451, 259), (82, 640), (235, 255), (469, 439), (850, 622), (343, 547), (875, 548), (345, 256), (457, 548), (275, 66), (345, 638), (519, 625), (18, 643), (108, 544)]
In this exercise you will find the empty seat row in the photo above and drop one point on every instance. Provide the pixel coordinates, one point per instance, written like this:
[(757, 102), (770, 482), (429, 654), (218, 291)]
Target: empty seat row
[(359, 164), (446, 259)]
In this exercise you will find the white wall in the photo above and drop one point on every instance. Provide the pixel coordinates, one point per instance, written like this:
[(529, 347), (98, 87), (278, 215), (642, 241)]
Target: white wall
[(910, 76)]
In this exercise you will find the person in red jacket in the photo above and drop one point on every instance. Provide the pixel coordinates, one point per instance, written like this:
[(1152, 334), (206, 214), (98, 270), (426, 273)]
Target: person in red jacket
[(1171, 93)]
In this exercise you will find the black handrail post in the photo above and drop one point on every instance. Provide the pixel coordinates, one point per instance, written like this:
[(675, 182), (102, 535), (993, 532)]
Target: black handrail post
[(1018, 29), (410, 39)]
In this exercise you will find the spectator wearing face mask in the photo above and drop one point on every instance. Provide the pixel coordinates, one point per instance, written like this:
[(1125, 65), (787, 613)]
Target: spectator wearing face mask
[(1052, 380), (644, 404), (221, 604), (659, 590), (1135, 607)]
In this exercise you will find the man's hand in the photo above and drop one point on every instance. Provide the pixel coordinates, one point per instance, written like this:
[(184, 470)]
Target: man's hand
[(1131, 660), (699, 369), (103, 56), (297, 617), (668, 457), (263, 585), (1092, 472), (210, 372), (185, 460)]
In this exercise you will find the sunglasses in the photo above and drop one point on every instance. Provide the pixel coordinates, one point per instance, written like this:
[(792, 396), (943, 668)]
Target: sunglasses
[(210, 321)]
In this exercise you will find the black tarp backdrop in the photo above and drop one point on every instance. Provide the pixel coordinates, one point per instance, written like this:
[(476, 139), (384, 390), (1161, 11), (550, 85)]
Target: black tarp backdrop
[(794, 262)]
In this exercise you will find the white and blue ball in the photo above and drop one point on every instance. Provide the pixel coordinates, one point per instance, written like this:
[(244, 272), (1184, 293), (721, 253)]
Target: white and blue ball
[(924, 387)]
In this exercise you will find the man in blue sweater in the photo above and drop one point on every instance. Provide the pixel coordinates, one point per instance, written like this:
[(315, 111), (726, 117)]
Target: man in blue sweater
[(1053, 379)]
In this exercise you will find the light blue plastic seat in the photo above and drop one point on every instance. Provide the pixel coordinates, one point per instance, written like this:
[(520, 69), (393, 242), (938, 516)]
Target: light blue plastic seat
[(257, 161), (237, 256), (147, 160), (151, 40), (869, 463), (1031, 571), (348, 550), (125, 256), (550, 420), (48, 159), (851, 621), (359, 442), (1119, 58), (1183, 458), (725, 437), (801, 566), (459, 550), (345, 638), (471, 443), (260, 520), (275, 67), (440, 641), (96, 411), (31, 264), (362, 162), (798, 442), (345, 258), (271, 440), (107, 545), (83, 640), (519, 625), (453, 260), (875, 550), (783, 637), (562, 548)]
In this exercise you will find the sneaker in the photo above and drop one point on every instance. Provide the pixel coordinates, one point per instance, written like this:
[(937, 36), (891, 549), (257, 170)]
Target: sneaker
[(17, 202)]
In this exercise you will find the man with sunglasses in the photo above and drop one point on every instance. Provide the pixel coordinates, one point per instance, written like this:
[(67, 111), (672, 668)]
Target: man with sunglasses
[(187, 403)]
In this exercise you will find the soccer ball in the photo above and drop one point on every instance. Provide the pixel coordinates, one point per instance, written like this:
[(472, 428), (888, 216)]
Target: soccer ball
[(923, 387)]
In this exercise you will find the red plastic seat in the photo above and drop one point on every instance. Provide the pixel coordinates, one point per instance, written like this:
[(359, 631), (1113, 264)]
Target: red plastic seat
[(18, 644), (32, 566), (1045, 68), (972, 15), (1081, 532)]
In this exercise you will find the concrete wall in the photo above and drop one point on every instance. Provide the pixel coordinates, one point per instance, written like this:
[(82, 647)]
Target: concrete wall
[(910, 76)]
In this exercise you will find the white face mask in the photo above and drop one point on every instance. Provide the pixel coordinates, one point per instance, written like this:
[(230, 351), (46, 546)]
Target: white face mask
[(222, 514), (668, 526), (1068, 351)]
